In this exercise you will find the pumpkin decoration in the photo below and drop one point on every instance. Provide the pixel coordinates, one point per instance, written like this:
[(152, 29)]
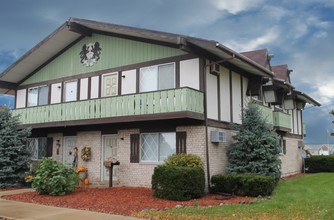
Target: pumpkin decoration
[(86, 153), (86, 182)]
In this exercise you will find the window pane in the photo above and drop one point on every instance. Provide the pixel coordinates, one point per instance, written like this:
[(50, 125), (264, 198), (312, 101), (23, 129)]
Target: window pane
[(32, 147), (42, 145), (149, 147), (70, 91), (32, 96), (167, 143), (166, 76), (43, 95), (148, 79)]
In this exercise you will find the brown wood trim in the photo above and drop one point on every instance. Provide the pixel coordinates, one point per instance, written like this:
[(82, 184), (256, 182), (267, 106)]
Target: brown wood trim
[(137, 80), (119, 83), (116, 69), (202, 73), (279, 128), (177, 74), (123, 119), (27, 91), (62, 92), (293, 121), (218, 96), (89, 87), (15, 99), (99, 91), (49, 93), (219, 124), (78, 89), (296, 136), (231, 96)]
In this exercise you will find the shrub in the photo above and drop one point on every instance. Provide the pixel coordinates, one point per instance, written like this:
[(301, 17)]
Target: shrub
[(184, 160), (316, 164), (243, 184), (53, 178), (178, 183)]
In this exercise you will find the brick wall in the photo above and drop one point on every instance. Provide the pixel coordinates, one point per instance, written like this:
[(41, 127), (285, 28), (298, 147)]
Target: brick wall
[(292, 160)]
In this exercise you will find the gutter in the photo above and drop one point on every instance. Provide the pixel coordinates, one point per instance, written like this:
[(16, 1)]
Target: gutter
[(244, 59)]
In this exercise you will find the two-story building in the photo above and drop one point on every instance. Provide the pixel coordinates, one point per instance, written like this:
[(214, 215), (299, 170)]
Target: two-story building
[(138, 96)]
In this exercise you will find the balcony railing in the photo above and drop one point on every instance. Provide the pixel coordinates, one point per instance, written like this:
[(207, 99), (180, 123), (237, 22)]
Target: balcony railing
[(166, 101), (277, 119), (282, 120)]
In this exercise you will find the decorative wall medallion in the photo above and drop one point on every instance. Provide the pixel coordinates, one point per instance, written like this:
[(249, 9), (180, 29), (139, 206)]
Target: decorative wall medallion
[(90, 54)]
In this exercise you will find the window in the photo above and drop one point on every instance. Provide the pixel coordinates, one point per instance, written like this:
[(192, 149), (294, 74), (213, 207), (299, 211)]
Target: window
[(155, 147), (70, 93), (110, 85), (39, 147), (283, 146), (159, 77), (38, 96)]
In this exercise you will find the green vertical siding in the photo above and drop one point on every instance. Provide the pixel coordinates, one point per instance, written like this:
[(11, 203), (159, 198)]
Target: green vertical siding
[(115, 52)]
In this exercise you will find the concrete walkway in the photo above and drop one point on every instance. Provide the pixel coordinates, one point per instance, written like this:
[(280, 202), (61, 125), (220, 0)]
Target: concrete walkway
[(12, 210)]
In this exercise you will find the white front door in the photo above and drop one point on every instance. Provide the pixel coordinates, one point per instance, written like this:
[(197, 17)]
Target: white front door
[(69, 144), (109, 152)]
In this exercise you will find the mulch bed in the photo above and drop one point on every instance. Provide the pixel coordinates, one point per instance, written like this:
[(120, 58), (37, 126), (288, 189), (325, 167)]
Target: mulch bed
[(121, 200)]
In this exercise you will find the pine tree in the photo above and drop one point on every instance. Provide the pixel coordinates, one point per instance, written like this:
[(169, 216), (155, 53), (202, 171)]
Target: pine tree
[(256, 148), (14, 156)]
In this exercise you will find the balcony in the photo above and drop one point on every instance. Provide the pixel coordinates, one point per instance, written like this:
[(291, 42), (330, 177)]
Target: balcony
[(186, 101), (282, 121)]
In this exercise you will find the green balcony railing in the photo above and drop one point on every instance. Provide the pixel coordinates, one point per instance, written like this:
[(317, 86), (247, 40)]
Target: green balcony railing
[(166, 101), (282, 119), (266, 112)]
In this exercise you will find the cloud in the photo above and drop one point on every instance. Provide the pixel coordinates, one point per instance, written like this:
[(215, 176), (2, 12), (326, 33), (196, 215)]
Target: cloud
[(235, 7)]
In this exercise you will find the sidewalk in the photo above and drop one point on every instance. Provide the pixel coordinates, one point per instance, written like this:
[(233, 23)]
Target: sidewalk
[(12, 210)]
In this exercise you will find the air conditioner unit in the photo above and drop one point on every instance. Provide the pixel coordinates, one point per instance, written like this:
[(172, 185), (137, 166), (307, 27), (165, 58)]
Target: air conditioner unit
[(215, 69), (218, 136)]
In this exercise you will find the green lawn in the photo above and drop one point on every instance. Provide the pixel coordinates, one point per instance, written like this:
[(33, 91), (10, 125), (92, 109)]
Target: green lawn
[(306, 197)]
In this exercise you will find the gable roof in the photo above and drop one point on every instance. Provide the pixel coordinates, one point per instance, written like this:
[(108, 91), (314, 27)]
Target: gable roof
[(74, 29), (260, 56)]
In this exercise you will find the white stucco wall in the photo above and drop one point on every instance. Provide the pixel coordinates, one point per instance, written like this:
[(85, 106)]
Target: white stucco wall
[(21, 98), (236, 97), (128, 82), (225, 94), (189, 73), (212, 96), (94, 90), (56, 91), (83, 88)]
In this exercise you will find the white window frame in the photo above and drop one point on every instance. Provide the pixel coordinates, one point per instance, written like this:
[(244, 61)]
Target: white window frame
[(159, 160), (157, 82), (36, 102)]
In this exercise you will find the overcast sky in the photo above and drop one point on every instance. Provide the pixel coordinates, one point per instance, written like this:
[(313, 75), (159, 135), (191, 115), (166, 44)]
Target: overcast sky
[(299, 33)]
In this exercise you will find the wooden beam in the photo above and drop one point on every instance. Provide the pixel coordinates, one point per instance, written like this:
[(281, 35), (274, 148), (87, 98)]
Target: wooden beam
[(80, 29), (7, 85)]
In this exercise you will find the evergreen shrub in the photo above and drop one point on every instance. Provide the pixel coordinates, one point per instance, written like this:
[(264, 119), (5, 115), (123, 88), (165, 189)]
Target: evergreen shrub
[(14, 156), (178, 183), (243, 184), (319, 163), (54, 178), (184, 160)]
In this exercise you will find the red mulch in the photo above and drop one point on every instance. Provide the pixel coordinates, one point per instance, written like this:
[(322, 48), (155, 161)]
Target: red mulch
[(120, 200)]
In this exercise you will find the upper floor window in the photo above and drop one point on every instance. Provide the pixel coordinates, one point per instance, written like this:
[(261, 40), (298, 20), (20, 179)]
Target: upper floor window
[(38, 96), (70, 91), (110, 84), (158, 77)]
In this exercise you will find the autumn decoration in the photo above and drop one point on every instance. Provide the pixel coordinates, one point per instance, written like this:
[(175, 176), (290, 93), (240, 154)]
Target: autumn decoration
[(86, 153)]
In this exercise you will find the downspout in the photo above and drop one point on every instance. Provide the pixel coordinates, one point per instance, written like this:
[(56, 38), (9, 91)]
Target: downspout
[(206, 114)]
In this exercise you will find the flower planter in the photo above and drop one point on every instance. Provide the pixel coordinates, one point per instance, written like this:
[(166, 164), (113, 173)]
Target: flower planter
[(82, 175)]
